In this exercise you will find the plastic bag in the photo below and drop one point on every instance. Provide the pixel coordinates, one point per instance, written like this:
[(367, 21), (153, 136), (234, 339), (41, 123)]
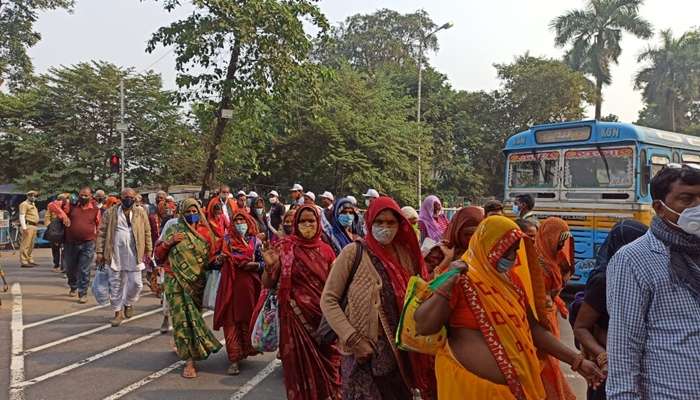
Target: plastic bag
[(100, 285), (210, 289), (416, 293), (265, 336)]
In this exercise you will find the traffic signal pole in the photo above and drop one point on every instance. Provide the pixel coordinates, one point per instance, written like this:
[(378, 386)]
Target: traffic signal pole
[(121, 131)]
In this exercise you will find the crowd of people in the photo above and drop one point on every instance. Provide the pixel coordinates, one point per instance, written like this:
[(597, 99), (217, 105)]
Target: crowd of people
[(332, 264)]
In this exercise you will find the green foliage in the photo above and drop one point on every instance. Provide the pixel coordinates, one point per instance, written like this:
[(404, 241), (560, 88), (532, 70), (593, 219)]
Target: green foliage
[(595, 34), (17, 35)]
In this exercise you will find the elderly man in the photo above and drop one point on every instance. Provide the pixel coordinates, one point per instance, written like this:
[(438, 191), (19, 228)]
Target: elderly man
[(28, 220), (100, 199), (122, 243)]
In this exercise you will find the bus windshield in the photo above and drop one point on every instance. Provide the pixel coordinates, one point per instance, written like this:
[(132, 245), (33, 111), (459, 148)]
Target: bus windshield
[(533, 170), (599, 168)]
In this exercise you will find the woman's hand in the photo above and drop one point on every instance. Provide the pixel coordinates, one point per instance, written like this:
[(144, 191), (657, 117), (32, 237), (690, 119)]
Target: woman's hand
[(449, 252), (594, 376), (251, 266), (271, 257), (363, 351), (177, 238)]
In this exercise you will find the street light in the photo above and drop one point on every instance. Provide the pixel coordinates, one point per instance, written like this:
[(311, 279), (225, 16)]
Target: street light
[(422, 39)]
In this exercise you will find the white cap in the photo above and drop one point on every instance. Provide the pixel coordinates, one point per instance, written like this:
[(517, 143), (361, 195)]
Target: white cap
[(409, 212), (353, 200), (310, 195), (274, 193), (428, 245), (241, 193), (297, 188), (170, 198), (327, 195), (371, 193), (252, 194), (230, 195)]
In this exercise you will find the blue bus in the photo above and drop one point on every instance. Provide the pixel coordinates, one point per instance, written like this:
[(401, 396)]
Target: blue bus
[(592, 174)]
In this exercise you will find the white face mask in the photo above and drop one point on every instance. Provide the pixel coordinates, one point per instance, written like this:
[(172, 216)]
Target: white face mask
[(384, 235), (688, 220), (368, 202), (273, 200)]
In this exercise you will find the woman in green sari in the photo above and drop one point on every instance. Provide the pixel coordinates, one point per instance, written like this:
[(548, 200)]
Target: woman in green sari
[(184, 253)]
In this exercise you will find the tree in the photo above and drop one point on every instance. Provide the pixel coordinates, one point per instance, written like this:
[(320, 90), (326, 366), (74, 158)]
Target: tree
[(59, 133), (237, 52), (670, 83), (17, 35), (595, 34)]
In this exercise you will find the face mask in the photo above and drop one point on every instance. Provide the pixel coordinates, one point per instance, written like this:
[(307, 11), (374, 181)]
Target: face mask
[(516, 209), (273, 200), (688, 220), (259, 211), (84, 199), (192, 218), (307, 230), (242, 229), (287, 229), (223, 198), (504, 265), (126, 203), (31, 199), (346, 220), (384, 235), (367, 202), (99, 200), (169, 212)]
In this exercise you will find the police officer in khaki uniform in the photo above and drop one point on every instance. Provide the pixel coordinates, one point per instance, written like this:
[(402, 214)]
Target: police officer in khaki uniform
[(28, 220)]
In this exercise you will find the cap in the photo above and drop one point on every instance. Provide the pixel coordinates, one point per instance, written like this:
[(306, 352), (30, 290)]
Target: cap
[(371, 193), (428, 245), (327, 195), (32, 193), (409, 212), (297, 188), (252, 195), (241, 193), (310, 195), (273, 193), (170, 198), (353, 200)]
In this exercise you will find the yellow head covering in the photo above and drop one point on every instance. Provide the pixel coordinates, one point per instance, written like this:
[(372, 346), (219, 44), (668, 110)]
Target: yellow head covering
[(499, 305)]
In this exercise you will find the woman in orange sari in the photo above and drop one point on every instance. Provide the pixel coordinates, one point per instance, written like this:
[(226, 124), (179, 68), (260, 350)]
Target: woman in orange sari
[(555, 254), (298, 267), (493, 339)]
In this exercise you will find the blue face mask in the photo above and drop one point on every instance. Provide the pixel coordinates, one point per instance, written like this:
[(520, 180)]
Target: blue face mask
[(242, 229), (504, 265), (346, 220), (192, 218), (516, 210)]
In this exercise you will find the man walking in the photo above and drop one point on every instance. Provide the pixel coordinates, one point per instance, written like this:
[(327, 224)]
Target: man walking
[(297, 195), (523, 206), (81, 221), (277, 210), (653, 297), (123, 241), (28, 220), (56, 247)]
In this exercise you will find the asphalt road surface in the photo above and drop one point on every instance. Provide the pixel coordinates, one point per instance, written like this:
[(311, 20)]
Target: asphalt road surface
[(53, 348)]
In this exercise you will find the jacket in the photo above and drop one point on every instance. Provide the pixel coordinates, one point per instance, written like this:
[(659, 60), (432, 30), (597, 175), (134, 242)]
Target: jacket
[(140, 226)]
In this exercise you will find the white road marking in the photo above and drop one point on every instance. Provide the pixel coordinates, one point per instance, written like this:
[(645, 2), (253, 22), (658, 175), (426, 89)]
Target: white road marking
[(259, 377), (145, 381), (17, 361), (60, 317), (88, 332)]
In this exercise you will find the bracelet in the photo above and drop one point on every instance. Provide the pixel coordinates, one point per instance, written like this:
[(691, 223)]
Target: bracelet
[(602, 359), (576, 365)]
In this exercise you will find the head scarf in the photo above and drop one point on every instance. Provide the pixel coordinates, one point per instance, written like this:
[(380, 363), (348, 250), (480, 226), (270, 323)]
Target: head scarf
[(623, 233), (187, 203), (499, 306), (297, 248), (405, 240), (239, 242), (552, 234), (467, 216), (427, 217), (338, 234)]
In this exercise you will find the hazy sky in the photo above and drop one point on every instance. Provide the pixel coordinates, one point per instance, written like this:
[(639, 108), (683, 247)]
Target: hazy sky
[(484, 33)]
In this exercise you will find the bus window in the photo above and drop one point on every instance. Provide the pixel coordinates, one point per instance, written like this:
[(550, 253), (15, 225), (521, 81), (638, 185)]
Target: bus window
[(644, 174), (691, 158), (599, 168), (528, 170), (657, 164)]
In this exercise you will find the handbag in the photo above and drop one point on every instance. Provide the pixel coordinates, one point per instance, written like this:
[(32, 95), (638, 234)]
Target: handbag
[(324, 333), (100, 285), (210, 289), (416, 293), (55, 231), (265, 336)]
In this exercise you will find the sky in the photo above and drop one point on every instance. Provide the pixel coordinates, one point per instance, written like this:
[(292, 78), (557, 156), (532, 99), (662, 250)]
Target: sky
[(484, 33)]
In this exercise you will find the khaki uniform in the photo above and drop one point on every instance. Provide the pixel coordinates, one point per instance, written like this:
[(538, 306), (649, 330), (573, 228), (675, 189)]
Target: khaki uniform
[(31, 216)]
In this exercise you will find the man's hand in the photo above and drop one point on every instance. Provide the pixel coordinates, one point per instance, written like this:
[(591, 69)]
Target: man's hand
[(594, 376), (99, 259), (66, 222)]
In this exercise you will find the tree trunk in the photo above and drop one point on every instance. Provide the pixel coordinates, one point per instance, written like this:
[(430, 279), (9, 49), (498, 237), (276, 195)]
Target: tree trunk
[(218, 135), (673, 114), (598, 98)]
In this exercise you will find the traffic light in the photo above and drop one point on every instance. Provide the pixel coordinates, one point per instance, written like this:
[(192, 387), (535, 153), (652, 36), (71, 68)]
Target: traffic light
[(115, 163)]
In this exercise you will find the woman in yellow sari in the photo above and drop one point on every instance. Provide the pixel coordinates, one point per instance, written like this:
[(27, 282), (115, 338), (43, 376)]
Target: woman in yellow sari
[(493, 338)]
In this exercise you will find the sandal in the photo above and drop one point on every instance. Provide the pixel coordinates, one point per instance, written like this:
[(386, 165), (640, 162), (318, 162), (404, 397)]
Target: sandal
[(189, 372), (234, 369)]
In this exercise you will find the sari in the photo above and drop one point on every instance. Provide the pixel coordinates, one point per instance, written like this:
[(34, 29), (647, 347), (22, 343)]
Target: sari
[(466, 217), (553, 263), (497, 304), (337, 233), (311, 371), (184, 265), (238, 289), (430, 226)]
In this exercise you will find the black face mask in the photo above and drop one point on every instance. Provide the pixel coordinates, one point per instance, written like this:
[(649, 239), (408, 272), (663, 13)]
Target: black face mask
[(287, 229), (83, 200), (127, 203)]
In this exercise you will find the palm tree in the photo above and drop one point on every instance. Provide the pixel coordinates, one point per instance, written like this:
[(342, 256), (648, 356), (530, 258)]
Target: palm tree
[(672, 79), (595, 34)]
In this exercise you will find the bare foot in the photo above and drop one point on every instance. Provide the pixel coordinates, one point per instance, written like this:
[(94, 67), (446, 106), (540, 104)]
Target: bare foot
[(189, 372)]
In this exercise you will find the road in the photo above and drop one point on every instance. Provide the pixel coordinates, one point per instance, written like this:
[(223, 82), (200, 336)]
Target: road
[(53, 348)]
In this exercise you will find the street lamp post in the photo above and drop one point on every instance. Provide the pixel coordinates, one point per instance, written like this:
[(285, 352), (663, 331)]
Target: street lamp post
[(422, 39), (122, 127)]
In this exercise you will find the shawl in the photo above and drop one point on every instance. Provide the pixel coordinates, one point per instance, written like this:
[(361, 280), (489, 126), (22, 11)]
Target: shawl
[(427, 217)]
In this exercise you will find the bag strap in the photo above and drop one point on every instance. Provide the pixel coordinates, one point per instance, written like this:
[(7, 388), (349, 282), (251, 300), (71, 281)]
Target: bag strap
[(359, 250)]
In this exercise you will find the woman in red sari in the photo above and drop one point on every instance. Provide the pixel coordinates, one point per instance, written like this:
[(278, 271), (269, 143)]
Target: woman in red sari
[(239, 288), (302, 261)]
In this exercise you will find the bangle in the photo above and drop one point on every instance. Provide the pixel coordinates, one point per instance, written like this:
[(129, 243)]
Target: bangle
[(576, 365), (602, 359)]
